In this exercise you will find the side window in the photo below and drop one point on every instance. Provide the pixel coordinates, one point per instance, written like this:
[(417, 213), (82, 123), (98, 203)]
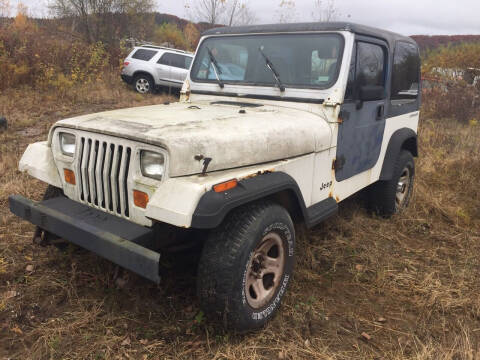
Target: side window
[(178, 61), (367, 68), (175, 60), (370, 69), (166, 59), (405, 76), (188, 62), (144, 54)]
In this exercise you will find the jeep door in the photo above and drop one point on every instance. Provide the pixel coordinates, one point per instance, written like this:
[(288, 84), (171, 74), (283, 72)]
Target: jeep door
[(360, 132)]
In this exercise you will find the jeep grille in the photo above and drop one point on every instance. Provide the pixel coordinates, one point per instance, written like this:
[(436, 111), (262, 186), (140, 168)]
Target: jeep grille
[(103, 168)]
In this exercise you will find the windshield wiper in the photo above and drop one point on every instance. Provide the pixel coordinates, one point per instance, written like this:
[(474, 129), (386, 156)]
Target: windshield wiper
[(273, 70), (216, 67)]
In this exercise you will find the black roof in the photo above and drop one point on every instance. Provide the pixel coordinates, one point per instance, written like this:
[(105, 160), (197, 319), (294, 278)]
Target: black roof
[(389, 36)]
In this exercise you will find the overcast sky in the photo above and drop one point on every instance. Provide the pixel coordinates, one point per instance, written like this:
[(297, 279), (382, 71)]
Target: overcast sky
[(409, 17)]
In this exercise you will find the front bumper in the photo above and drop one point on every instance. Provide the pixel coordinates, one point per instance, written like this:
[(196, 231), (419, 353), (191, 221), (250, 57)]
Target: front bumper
[(118, 240)]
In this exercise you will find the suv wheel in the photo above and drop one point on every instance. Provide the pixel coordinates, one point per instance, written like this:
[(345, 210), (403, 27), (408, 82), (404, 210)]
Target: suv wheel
[(246, 265), (143, 84), (389, 197)]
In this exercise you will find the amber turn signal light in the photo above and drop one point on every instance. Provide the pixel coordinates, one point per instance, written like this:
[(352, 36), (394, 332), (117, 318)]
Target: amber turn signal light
[(69, 176), (227, 185), (140, 199)]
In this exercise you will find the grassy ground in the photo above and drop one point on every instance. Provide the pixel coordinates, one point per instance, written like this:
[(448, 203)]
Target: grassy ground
[(409, 284)]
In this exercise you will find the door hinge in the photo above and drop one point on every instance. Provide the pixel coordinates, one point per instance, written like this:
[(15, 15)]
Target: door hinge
[(338, 163)]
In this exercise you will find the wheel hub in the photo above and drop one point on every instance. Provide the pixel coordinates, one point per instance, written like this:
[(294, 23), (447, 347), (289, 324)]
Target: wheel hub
[(257, 265), (402, 187), (265, 271), (142, 85)]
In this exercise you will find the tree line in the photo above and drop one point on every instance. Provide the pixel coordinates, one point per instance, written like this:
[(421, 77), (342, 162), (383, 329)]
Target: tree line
[(109, 21)]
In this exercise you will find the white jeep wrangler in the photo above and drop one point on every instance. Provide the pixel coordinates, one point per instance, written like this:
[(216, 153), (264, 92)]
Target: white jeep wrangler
[(276, 123)]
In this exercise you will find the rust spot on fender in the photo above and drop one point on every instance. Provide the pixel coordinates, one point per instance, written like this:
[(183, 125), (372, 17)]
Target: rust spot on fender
[(260, 172)]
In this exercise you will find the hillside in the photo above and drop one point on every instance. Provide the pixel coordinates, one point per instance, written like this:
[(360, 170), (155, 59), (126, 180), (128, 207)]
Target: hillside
[(426, 42), (161, 18), (429, 42)]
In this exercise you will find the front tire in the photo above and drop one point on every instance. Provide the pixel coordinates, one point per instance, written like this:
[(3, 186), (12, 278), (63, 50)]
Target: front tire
[(387, 198), (42, 237), (246, 265)]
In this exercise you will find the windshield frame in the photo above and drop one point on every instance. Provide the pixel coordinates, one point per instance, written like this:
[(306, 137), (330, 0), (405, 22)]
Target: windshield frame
[(328, 85)]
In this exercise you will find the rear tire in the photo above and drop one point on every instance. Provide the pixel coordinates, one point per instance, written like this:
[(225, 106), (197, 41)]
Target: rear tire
[(143, 84), (389, 197), (246, 265)]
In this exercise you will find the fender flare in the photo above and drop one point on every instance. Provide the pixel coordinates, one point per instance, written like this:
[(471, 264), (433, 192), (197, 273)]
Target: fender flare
[(213, 207), (402, 139)]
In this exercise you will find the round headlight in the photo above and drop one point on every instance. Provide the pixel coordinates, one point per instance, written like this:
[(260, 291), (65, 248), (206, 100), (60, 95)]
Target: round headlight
[(152, 164), (67, 143)]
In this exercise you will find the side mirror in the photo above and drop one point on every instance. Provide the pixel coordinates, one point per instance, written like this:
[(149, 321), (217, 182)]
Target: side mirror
[(371, 92)]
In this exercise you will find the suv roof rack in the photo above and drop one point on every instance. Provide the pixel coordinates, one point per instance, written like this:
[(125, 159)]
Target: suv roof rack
[(164, 48)]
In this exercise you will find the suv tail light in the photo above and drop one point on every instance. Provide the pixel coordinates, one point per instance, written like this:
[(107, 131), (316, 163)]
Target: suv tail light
[(126, 63)]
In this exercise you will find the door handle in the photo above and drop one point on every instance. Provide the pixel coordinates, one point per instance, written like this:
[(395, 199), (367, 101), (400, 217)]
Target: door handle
[(380, 112)]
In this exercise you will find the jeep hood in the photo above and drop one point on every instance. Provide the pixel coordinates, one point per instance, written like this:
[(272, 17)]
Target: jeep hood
[(233, 136)]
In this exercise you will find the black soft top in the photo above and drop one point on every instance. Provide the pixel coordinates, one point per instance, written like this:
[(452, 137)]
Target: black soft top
[(389, 36)]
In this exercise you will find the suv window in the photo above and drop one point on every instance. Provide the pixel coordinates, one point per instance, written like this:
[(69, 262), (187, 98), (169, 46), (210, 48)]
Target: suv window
[(367, 68), (406, 73), (175, 60), (144, 54)]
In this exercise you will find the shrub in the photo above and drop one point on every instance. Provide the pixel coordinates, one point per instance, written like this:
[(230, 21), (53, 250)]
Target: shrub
[(170, 33), (192, 36), (450, 87), (30, 55)]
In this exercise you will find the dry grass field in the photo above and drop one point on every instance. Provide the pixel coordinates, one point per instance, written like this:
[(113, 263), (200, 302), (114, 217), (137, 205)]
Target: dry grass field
[(364, 287)]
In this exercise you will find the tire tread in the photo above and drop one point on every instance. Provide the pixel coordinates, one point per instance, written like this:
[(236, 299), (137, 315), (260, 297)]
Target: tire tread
[(215, 278)]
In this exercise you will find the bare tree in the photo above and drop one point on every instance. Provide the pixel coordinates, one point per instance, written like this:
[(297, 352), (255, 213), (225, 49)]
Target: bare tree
[(210, 11), (103, 20), (239, 13), (287, 11), (4, 8), (325, 11), (4, 11), (229, 12), (22, 9)]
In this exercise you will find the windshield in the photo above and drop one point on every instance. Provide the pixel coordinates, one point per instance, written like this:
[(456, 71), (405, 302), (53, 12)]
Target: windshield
[(300, 60)]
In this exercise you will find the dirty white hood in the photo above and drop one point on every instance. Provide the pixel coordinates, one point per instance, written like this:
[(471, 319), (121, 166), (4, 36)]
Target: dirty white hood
[(219, 131)]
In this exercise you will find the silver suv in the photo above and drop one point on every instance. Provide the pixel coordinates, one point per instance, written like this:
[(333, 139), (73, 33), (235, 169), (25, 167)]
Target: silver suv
[(149, 67)]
